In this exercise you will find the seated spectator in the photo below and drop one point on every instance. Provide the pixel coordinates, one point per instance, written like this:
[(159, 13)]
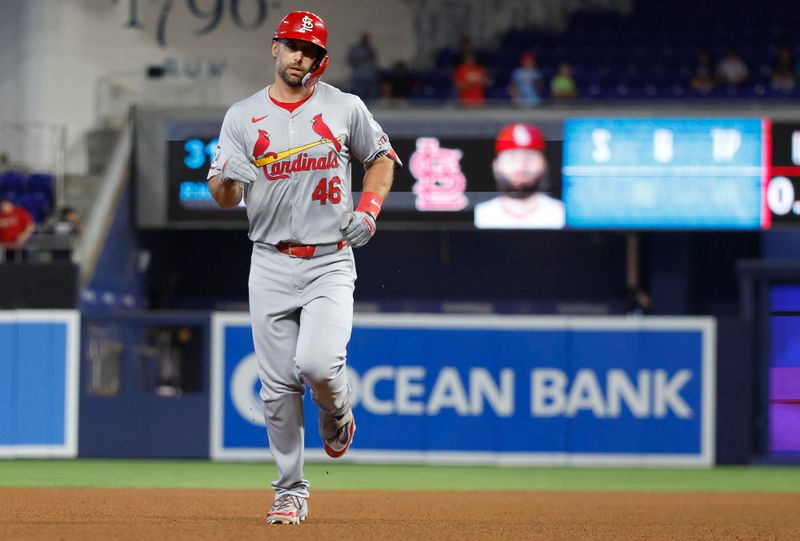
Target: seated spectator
[(562, 85), (16, 226), (398, 83), (68, 226), (471, 80), (703, 75), (526, 82), (731, 70), (782, 71), (68, 223), (364, 63)]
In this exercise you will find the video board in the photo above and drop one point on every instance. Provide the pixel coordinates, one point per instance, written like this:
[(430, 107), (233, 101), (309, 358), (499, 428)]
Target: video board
[(784, 186), (608, 173), (665, 173), (441, 184)]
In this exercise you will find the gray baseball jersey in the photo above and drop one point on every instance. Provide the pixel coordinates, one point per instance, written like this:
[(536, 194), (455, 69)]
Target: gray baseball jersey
[(304, 189)]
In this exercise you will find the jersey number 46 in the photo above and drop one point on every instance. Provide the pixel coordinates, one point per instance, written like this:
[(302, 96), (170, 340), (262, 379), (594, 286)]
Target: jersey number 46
[(328, 191)]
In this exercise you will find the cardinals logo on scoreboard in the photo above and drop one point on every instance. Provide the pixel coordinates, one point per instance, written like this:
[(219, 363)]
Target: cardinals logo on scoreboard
[(440, 182)]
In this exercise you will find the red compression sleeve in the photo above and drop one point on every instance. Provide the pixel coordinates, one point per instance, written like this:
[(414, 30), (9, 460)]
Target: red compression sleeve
[(370, 202)]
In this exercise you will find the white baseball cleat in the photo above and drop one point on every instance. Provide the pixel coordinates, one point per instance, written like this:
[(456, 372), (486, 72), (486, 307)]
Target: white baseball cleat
[(288, 509)]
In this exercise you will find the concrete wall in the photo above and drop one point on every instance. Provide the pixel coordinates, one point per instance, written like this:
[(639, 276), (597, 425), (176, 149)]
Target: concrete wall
[(55, 54)]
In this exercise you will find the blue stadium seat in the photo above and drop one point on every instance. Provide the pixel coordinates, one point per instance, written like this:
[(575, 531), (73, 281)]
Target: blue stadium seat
[(500, 76), (39, 182), (677, 91), (773, 93), (498, 93), (12, 181), (651, 52), (446, 58), (38, 204)]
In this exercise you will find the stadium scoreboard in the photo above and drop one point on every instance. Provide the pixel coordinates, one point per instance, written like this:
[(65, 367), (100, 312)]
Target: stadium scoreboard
[(783, 193), (611, 173), (665, 173)]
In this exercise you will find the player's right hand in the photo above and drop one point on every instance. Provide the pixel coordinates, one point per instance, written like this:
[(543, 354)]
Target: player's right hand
[(238, 168)]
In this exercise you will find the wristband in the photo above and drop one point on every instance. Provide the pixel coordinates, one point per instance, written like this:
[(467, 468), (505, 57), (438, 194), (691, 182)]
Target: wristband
[(370, 203)]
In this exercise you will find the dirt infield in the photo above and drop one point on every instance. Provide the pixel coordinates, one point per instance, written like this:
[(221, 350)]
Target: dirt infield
[(156, 515)]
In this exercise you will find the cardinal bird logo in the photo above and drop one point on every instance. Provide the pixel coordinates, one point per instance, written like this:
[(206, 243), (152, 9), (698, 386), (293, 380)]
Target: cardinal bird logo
[(322, 129), (262, 144), (279, 165)]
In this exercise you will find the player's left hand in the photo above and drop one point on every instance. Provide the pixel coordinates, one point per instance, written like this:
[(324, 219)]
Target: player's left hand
[(358, 227), (238, 167)]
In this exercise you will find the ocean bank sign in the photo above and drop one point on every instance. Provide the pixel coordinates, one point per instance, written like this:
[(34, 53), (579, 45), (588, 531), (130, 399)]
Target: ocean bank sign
[(497, 390)]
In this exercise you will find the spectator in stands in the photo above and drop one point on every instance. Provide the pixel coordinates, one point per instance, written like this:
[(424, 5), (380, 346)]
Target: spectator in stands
[(703, 75), (782, 75), (526, 82), (471, 80), (398, 83), (364, 62), (562, 86), (68, 223), (68, 226), (16, 225), (731, 70)]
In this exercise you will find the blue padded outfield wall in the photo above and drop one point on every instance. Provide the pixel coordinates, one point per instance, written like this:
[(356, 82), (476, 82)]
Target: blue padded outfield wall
[(497, 390), (38, 383)]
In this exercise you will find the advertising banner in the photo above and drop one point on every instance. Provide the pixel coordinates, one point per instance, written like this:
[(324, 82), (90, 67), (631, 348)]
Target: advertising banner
[(497, 390), (38, 383)]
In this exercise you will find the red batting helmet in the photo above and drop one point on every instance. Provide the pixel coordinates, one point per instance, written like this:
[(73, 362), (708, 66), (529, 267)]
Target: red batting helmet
[(305, 26), (519, 136)]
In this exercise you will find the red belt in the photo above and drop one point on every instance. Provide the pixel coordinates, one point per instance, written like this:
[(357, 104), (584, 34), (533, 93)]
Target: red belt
[(306, 251)]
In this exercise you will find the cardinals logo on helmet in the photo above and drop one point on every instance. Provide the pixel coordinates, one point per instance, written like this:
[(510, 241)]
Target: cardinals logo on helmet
[(307, 24)]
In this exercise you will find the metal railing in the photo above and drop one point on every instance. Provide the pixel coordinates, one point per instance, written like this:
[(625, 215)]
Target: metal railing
[(40, 248), (98, 222)]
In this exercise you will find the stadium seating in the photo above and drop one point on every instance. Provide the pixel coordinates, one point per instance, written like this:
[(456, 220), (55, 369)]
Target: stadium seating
[(34, 192), (648, 54)]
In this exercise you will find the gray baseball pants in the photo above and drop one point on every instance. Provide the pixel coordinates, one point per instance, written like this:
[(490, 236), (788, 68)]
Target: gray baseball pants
[(301, 312)]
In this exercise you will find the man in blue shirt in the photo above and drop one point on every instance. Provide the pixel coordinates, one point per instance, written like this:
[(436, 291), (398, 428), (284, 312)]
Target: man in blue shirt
[(526, 82)]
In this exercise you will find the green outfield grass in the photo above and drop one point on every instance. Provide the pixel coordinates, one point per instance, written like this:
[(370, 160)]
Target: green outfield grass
[(202, 474)]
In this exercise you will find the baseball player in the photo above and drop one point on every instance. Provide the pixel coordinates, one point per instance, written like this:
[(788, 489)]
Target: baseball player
[(520, 169), (287, 150)]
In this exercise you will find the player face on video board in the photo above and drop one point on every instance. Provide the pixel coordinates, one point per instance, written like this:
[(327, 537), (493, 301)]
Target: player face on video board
[(520, 172)]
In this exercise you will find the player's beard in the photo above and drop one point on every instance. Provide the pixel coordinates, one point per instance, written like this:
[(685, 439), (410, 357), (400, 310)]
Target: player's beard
[(520, 173), (521, 190), (294, 81), (516, 191)]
